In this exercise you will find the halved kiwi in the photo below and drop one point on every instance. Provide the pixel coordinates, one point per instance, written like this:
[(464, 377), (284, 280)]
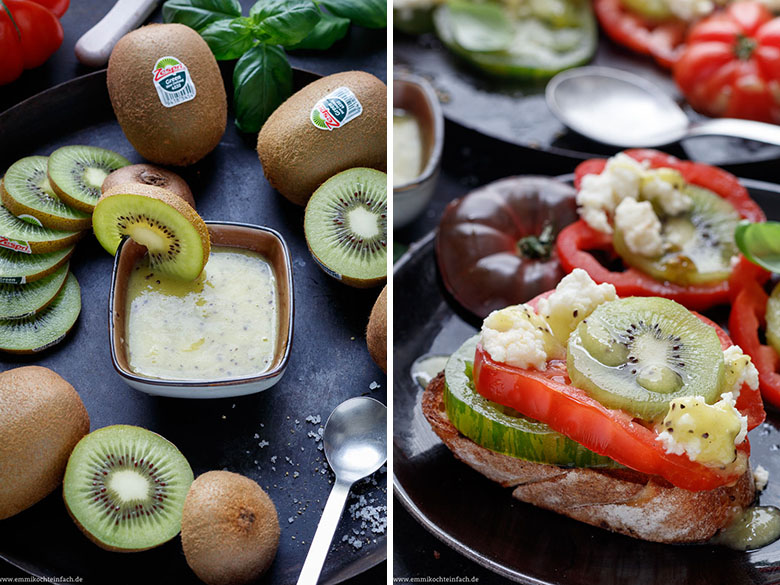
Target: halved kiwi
[(18, 301), (26, 191), (637, 354), (345, 225), (700, 242), (22, 235), (150, 175), (19, 268), (76, 173), (45, 328), (175, 236), (125, 486)]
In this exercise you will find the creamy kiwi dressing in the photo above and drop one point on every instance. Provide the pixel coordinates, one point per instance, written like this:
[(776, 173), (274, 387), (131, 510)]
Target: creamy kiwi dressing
[(408, 159), (221, 325)]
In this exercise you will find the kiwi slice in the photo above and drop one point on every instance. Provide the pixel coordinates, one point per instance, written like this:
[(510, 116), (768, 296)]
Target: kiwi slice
[(26, 235), (26, 191), (345, 225), (175, 236), (125, 486), (637, 354), (651, 10), (18, 301), (45, 328), (76, 173), (773, 318), (19, 268), (150, 175), (700, 242)]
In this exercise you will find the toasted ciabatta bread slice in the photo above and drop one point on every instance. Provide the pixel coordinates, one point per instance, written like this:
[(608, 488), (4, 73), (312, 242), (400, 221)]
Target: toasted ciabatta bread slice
[(621, 500)]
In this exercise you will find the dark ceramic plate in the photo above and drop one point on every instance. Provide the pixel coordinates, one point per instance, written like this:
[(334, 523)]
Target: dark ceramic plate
[(328, 364), (481, 520), (516, 112)]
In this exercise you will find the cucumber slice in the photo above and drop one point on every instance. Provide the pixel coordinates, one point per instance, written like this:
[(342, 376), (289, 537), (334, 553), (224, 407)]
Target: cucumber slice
[(666, 353), (538, 49), (704, 238), (18, 301), (502, 429), (773, 319)]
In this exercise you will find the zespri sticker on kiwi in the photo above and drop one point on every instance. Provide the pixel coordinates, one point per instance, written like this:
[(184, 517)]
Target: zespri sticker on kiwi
[(336, 109)]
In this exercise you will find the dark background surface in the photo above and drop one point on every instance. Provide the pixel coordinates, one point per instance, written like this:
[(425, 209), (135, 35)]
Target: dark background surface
[(361, 49)]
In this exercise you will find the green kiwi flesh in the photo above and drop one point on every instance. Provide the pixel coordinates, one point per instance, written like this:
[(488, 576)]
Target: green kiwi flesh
[(125, 486), (773, 319), (19, 268), (26, 190), (704, 242), (46, 328), (77, 173), (30, 237), (651, 10), (18, 301), (639, 353), (345, 225)]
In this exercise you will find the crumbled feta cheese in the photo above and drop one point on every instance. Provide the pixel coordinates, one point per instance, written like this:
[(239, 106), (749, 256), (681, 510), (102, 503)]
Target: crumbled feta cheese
[(640, 227), (704, 432), (575, 297), (671, 200), (519, 337), (761, 477), (739, 370), (596, 201)]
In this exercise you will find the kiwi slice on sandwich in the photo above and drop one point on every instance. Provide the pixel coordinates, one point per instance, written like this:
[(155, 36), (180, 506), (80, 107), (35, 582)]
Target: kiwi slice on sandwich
[(345, 225), (25, 234), (47, 327), (638, 353), (26, 191), (150, 175), (175, 236), (773, 319), (76, 173), (18, 301), (125, 486), (19, 268)]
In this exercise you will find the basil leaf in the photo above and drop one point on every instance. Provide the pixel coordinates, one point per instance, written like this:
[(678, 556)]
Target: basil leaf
[(480, 28), (760, 243), (368, 13), (284, 22), (198, 14), (229, 39), (329, 29), (262, 80)]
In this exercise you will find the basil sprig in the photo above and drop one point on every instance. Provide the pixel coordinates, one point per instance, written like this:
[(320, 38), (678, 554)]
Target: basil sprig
[(760, 243), (262, 78)]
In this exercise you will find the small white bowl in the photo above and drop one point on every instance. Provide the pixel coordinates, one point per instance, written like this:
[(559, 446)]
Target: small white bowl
[(266, 242), (415, 95)]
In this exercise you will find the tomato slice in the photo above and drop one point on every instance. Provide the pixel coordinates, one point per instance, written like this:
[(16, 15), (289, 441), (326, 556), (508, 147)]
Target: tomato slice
[(746, 318), (549, 397), (577, 241)]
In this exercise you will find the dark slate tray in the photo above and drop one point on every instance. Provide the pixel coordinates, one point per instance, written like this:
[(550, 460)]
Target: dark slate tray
[(329, 363), (480, 520)]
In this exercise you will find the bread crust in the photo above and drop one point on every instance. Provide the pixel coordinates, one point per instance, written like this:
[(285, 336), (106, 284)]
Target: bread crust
[(620, 500)]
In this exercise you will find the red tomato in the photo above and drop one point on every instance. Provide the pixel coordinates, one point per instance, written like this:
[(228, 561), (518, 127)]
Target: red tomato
[(58, 7), (746, 318), (11, 56), (41, 32), (731, 64), (550, 398), (662, 41), (577, 241)]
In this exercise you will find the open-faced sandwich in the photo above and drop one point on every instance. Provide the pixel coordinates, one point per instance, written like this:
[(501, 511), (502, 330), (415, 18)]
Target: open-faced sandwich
[(626, 413)]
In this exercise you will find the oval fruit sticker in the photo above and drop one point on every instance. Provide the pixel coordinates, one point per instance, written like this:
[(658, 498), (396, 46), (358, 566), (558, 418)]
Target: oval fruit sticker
[(173, 82), (336, 109)]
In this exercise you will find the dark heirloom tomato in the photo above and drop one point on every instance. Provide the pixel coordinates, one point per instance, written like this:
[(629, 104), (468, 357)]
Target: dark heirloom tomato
[(494, 246)]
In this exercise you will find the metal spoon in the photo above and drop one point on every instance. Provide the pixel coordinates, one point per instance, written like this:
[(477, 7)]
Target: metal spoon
[(622, 109), (355, 441)]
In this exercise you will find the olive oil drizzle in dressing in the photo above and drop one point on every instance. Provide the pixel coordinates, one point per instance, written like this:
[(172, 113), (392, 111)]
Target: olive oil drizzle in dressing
[(221, 325)]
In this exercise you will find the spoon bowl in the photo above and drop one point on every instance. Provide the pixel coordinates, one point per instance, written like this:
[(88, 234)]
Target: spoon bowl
[(355, 438)]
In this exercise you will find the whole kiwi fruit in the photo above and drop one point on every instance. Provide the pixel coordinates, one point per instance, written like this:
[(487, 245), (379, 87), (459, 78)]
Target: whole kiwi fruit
[(376, 332), (229, 529), (298, 155), (185, 131), (41, 420), (150, 175)]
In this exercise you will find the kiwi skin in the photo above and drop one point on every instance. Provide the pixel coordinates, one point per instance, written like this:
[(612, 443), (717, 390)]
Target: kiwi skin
[(184, 133), (229, 529), (298, 157), (150, 175), (376, 332), (42, 420)]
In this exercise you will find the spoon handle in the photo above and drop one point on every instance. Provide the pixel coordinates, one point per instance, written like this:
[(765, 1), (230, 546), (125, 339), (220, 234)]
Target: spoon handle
[(768, 133), (324, 535)]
